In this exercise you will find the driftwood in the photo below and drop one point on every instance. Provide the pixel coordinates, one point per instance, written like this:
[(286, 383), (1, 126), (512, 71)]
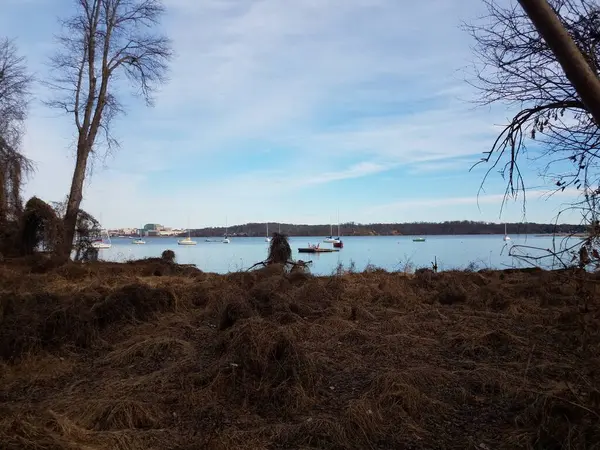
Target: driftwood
[(292, 264)]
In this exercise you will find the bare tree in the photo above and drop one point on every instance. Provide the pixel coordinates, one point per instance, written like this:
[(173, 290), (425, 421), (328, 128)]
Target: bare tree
[(516, 67), (14, 98), (574, 64), (105, 40)]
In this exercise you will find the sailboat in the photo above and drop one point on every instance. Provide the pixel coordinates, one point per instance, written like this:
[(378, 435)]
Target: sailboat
[(338, 241), (226, 238), (506, 236), (267, 239), (100, 244), (329, 239), (139, 240), (186, 241)]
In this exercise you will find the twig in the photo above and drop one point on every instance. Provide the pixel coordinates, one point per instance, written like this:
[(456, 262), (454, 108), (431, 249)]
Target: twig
[(528, 364)]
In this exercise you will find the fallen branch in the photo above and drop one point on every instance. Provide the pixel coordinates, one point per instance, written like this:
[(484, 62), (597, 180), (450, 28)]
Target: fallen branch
[(293, 264)]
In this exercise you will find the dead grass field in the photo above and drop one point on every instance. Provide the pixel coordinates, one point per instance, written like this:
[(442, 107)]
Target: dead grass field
[(155, 356)]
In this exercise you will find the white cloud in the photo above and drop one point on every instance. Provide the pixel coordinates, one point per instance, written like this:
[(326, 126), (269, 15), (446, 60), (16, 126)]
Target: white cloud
[(460, 164), (275, 71)]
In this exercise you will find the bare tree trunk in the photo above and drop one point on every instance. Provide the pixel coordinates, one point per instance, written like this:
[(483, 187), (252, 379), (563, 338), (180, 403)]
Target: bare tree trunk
[(84, 148), (74, 202), (576, 68)]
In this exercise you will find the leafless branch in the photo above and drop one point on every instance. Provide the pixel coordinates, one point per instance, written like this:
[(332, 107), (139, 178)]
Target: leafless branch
[(105, 40), (516, 67)]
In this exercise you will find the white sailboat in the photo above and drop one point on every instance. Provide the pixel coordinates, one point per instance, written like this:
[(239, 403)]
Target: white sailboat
[(100, 244), (226, 238), (337, 243), (506, 236), (267, 239), (187, 240), (139, 240), (330, 239)]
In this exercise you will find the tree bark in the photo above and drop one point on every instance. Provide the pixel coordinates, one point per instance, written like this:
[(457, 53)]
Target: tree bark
[(75, 197), (3, 197), (572, 61)]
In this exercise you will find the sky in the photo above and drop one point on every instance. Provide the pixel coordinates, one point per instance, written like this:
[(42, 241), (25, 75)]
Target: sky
[(288, 111)]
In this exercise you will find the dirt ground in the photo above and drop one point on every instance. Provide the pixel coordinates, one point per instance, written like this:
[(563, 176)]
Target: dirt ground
[(150, 355)]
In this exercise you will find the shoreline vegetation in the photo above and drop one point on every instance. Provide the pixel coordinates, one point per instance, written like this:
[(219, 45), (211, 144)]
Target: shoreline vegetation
[(152, 354), (389, 229)]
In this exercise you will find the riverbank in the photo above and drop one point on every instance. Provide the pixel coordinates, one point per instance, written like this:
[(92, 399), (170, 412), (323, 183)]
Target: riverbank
[(153, 355)]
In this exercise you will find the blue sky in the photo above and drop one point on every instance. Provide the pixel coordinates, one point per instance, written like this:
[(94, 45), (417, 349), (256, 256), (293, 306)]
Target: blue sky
[(288, 111)]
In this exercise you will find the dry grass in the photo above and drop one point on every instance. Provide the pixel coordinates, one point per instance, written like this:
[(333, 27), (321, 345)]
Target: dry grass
[(151, 355)]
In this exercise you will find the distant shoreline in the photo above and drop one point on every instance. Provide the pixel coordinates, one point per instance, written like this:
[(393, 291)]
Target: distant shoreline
[(360, 235), (456, 228)]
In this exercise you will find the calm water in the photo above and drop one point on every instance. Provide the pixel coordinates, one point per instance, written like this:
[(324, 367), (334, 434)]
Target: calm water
[(388, 252)]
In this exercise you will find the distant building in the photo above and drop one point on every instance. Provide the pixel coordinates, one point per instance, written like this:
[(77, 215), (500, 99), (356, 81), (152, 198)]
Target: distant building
[(150, 229), (153, 227)]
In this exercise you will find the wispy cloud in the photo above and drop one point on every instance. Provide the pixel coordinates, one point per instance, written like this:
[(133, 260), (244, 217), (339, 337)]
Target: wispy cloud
[(356, 171), (445, 166), (557, 201)]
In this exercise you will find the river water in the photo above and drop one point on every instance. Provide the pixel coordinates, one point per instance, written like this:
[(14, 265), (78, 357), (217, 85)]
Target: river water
[(394, 253)]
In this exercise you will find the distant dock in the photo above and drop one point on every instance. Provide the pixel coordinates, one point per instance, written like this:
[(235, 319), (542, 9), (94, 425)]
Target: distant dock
[(317, 250)]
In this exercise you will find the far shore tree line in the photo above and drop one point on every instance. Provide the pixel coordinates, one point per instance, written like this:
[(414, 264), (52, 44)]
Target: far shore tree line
[(540, 58), (463, 227)]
